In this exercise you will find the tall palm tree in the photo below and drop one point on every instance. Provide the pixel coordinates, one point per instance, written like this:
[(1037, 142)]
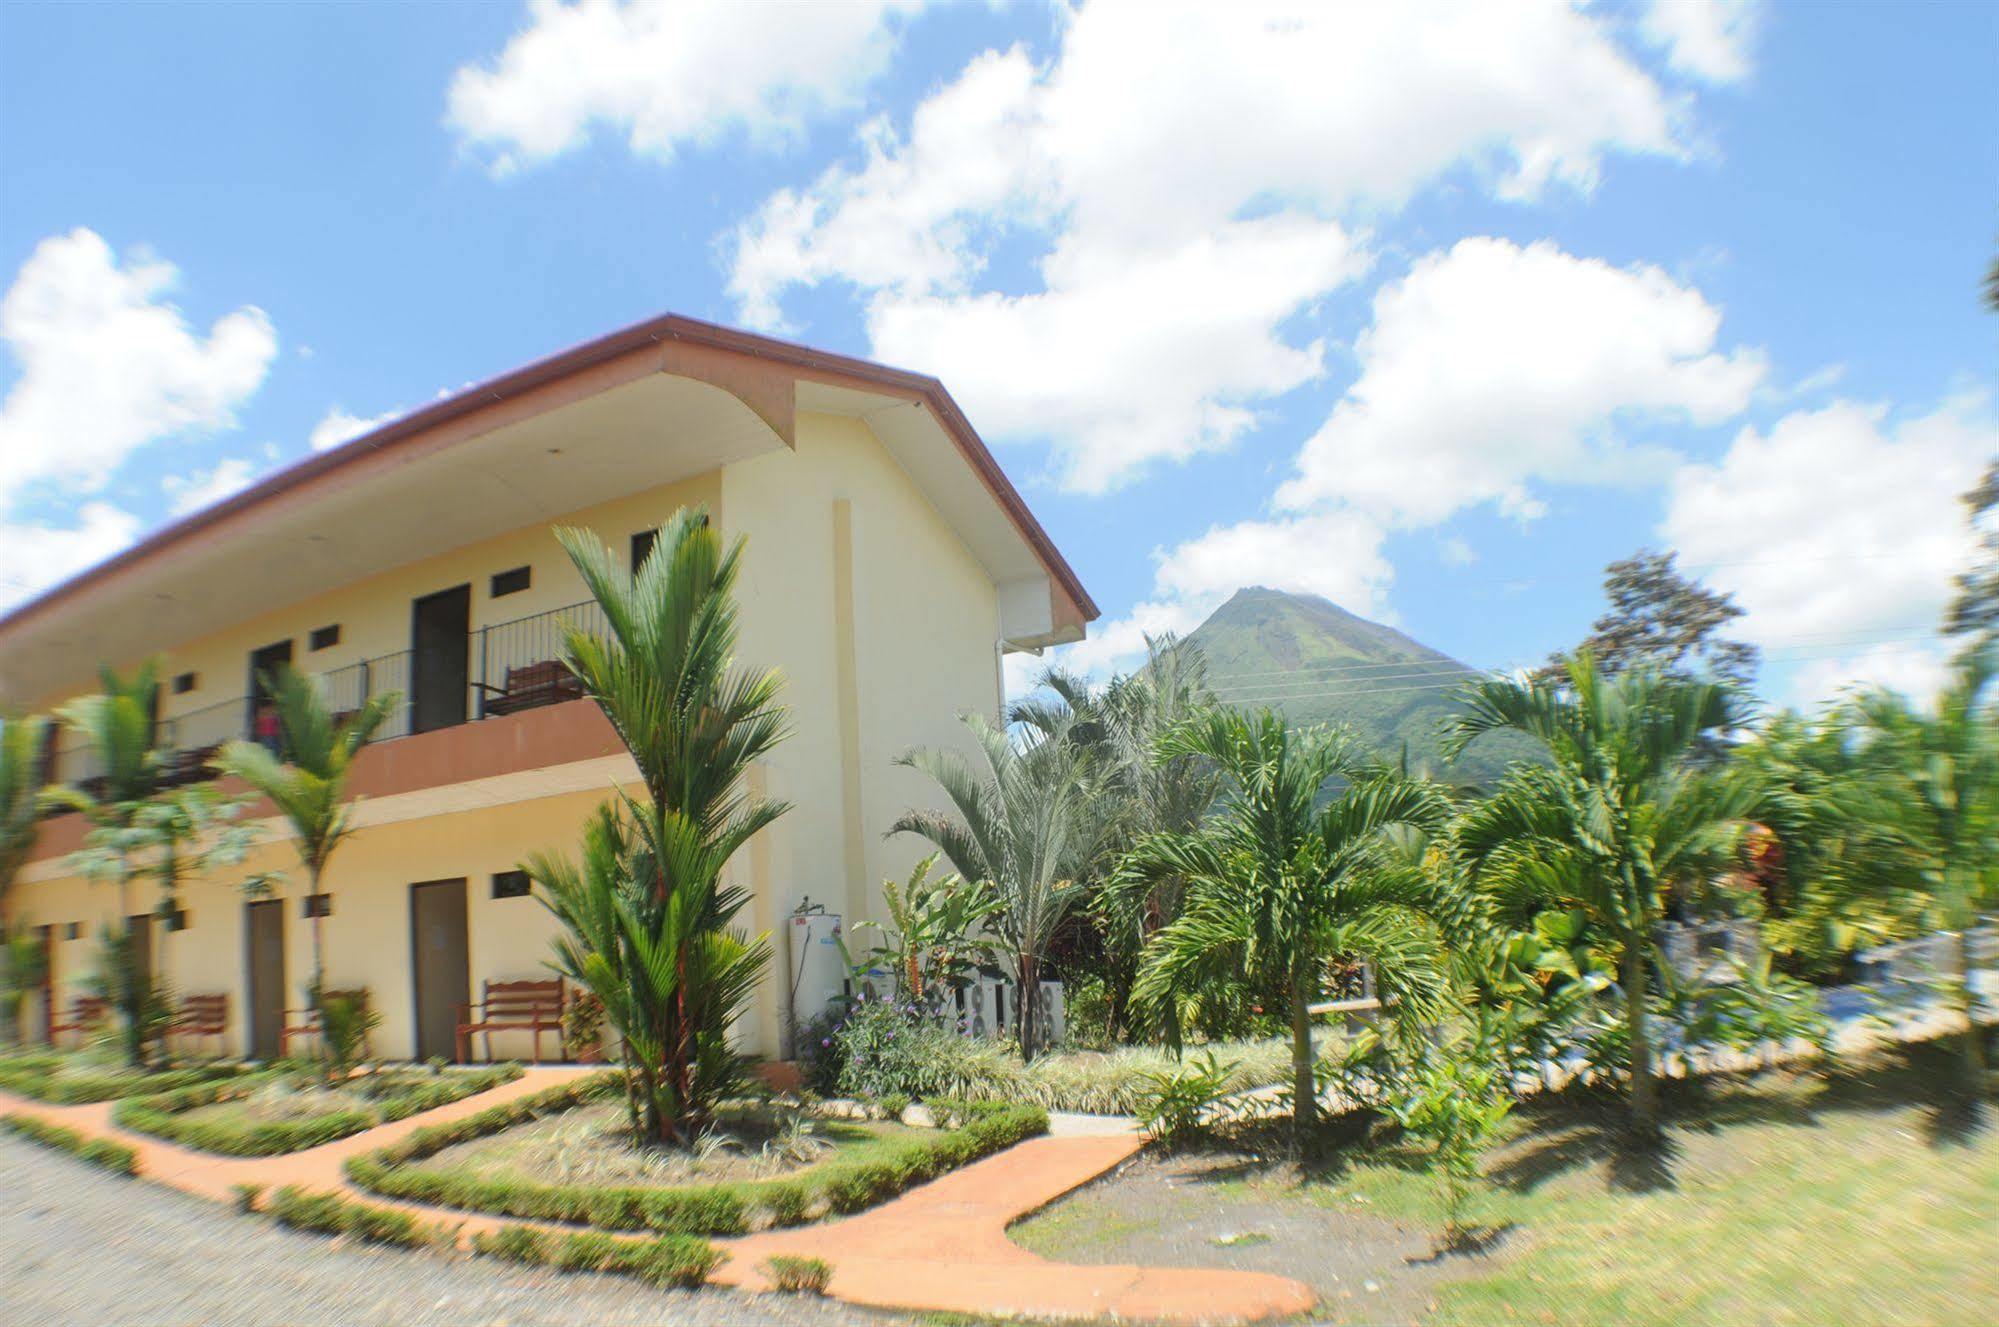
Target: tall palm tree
[(307, 779), (1016, 824), (119, 731), (1931, 787), (1621, 813), (665, 675), (1304, 862)]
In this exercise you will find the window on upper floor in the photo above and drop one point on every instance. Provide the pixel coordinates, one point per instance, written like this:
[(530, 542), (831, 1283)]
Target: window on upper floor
[(186, 682), (512, 884), (324, 637), (512, 582)]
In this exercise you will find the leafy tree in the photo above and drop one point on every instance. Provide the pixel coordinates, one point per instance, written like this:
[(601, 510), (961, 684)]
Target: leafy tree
[(1619, 815), (1020, 826), (1662, 620), (20, 791), (307, 779), (1300, 866), (646, 916), (1933, 787), (1975, 610), (117, 727), (1116, 730), (931, 941)]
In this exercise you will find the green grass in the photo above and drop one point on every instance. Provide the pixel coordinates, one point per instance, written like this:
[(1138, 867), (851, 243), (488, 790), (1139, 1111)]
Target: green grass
[(68, 1078), (1858, 1196)]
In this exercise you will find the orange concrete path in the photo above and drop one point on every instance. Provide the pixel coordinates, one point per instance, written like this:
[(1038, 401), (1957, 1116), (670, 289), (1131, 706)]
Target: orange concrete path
[(940, 1246)]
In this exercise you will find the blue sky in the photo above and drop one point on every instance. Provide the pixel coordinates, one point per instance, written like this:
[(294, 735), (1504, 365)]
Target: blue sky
[(1432, 309)]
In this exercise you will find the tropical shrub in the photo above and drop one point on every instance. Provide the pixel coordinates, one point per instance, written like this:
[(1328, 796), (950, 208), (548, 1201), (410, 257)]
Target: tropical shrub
[(1176, 1104), (798, 1276), (884, 1048), (1455, 1102), (583, 1023)]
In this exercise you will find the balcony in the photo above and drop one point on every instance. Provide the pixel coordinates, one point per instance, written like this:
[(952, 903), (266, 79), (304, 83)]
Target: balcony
[(508, 668)]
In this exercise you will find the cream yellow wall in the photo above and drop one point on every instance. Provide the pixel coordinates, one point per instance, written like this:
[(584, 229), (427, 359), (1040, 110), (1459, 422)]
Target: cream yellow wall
[(883, 622)]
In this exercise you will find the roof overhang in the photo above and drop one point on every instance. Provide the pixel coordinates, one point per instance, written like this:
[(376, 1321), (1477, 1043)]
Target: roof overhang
[(660, 401)]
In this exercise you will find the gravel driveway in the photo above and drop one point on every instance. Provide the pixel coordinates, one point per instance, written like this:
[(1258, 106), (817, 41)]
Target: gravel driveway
[(80, 1246)]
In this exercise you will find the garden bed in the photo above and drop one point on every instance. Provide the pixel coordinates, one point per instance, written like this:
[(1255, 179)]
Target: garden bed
[(288, 1110), (510, 1161), (70, 1078)]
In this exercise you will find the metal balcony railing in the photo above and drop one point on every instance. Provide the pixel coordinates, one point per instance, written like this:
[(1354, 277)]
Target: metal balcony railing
[(511, 666)]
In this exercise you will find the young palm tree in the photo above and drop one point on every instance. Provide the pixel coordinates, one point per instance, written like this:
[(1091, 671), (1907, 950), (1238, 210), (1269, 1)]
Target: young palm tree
[(1303, 863), (20, 825), (646, 913), (118, 728), (1619, 814), (1017, 826), (1931, 788), (307, 782)]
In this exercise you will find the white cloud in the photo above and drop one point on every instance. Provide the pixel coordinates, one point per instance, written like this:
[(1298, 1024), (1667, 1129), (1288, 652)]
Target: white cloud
[(1337, 555), (1838, 531), (1491, 368), (39, 556), (1709, 40), (1132, 361), (194, 492), (1156, 158), (108, 365), (338, 426), (667, 73)]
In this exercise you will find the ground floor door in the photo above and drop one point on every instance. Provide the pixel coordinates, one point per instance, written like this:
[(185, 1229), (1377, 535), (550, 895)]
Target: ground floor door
[(142, 950), (47, 936), (441, 961), (264, 975)]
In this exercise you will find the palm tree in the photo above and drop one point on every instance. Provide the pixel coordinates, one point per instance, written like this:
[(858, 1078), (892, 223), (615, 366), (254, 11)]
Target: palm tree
[(646, 913), (1621, 812), (308, 782), (118, 729), (1116, 729), (1931, 787), (1304, 863), (1017, 826), (20, 826)]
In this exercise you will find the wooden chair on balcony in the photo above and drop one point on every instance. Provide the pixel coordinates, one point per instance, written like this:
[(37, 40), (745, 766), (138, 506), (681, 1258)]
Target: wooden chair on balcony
[(531, 686), (202, 1016), (514, 1006), (85, 1013), (305, 1022)]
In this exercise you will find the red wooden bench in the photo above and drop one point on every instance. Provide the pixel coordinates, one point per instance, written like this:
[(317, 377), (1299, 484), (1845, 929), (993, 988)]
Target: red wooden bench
[(533, 685), (202, 1016), (85, 1013), (513, 1006), (305, 1022)]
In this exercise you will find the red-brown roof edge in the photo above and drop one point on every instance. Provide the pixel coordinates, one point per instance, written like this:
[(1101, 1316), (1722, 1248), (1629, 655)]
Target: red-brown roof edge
[(669, 326)]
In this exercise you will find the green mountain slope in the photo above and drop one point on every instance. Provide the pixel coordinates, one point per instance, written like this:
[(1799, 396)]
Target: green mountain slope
[(1318, 663)]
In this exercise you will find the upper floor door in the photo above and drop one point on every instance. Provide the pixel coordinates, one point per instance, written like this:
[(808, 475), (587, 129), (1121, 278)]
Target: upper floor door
[(440, 654)]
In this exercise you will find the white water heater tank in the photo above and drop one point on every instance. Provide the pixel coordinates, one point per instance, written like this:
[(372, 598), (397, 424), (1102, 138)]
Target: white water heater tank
[(814, 970)]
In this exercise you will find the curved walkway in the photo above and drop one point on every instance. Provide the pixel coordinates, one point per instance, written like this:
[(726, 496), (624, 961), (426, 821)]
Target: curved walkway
[(940, 1246)]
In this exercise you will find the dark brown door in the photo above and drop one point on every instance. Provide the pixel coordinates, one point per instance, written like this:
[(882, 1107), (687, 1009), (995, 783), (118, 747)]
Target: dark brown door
[(47, 934), (264, 969), (440, 959), (440, 640), (142, 949), (260, 719)]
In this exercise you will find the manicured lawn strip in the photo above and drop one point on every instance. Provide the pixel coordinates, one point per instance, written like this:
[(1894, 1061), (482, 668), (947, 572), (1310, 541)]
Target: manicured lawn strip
[(682, 1261), (98, 1151), (713, 1209), (41, 1077), (163, 1115), (330, 1214)]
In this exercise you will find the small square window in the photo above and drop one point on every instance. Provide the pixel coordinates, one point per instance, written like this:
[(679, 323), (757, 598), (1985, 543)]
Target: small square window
[(512, 884), (642, 543), (324, 637), (73, 931), (317, 905), (512, 582), (185, 682), (177, 920)]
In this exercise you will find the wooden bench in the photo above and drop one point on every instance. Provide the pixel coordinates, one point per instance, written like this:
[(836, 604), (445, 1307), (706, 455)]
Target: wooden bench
[(531, 686), (85, 1013), (202, 1016), (513, 1006), (305, 1022)]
